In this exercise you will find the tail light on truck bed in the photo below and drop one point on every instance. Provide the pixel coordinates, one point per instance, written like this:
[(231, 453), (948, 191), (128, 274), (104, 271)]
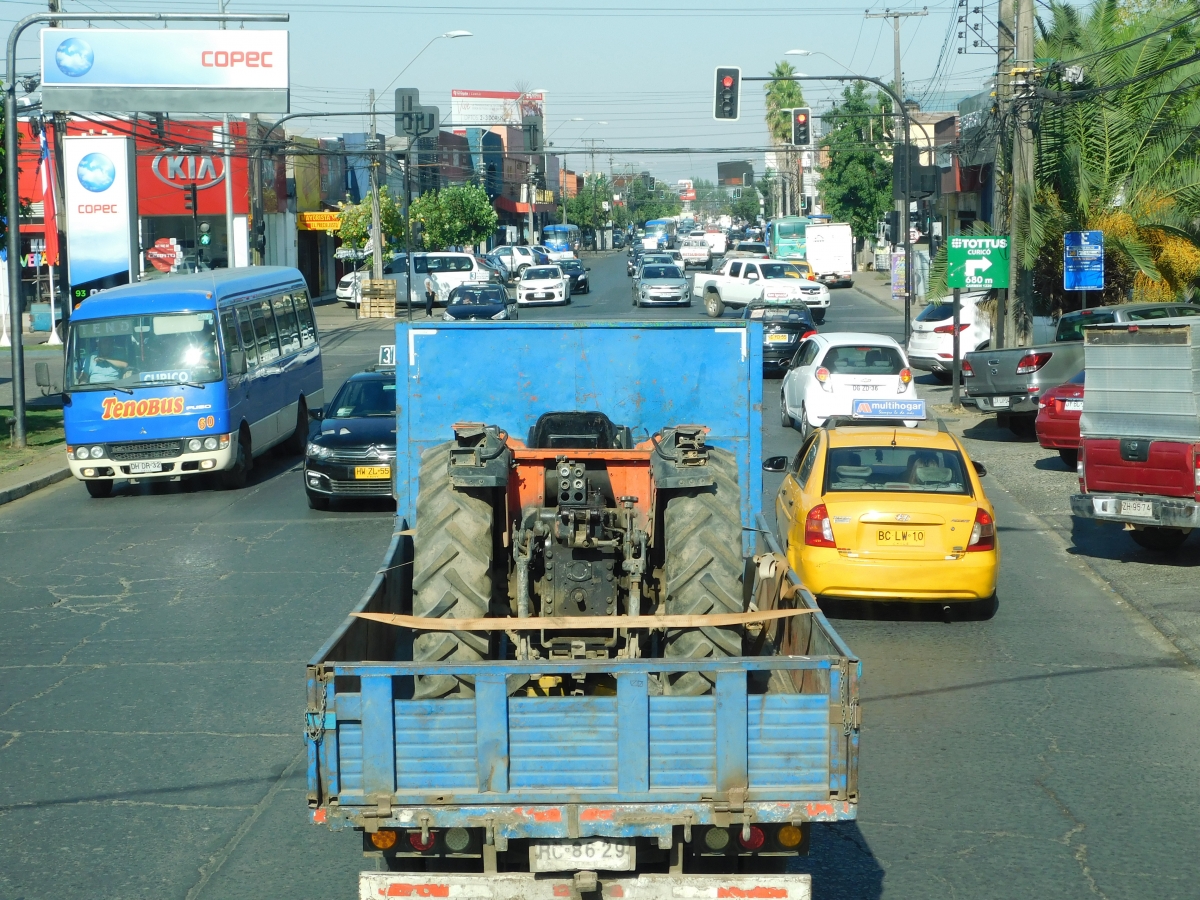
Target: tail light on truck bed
[(1031, 362)]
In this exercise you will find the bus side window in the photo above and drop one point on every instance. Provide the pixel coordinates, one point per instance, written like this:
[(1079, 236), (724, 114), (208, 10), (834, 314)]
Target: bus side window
[(229, 331), (285, 318), (304, 312), (247, 329), (264, 331)]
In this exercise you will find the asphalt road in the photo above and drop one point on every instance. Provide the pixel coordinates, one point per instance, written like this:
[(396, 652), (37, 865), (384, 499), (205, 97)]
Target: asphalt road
[(151, 691)]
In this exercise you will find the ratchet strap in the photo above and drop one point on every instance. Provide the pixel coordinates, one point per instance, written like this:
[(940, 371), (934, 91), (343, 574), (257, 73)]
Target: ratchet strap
[(571, 623)]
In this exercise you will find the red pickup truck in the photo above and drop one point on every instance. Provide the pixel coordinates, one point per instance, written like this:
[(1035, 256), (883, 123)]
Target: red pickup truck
[(1139, 452)]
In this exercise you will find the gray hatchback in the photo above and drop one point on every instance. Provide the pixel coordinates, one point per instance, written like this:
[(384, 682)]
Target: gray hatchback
[(661, 285)]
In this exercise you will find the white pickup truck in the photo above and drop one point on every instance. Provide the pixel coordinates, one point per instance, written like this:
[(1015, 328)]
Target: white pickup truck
[(696, 252), (743, 281)]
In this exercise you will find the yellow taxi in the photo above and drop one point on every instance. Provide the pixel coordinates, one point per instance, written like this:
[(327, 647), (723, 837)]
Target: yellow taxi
[(874, 509), (806, 270)]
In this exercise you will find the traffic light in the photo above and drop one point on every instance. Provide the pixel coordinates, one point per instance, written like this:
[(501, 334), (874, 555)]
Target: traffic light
[(189, 198), (651, 185), (893, 227), (259, 237), (801, 127), (729, 84)]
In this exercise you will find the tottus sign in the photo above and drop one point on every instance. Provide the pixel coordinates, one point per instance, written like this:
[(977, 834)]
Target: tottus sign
[(151, 70)]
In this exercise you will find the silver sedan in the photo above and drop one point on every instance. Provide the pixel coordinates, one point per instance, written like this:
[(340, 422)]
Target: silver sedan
[(661, 285)]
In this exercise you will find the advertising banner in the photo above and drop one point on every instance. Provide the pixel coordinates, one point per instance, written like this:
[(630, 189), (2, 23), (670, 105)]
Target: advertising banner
[(495, 107), (101, 211), (163, 70)]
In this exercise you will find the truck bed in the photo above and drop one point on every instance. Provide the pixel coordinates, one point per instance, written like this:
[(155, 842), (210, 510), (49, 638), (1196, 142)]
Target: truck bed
[(625, 765)]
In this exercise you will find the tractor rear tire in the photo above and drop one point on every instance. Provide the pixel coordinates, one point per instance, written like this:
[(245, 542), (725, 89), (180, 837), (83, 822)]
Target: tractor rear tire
[(702, 531), (452, 573)]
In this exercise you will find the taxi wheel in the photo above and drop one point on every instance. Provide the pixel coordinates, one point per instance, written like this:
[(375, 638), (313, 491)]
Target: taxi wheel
[(452, 572), (99, 488), (702, 531)]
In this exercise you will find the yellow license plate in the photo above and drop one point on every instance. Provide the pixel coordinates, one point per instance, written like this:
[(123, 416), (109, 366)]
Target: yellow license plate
[(900, 537), (372, 471), (777, 338)]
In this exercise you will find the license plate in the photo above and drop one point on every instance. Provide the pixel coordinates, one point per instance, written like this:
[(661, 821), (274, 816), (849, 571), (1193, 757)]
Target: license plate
[(373, 472), (142, 468), (1073, 405), (777, 338), (584, 854), (1000, 402), (865, 388), (900, 537), (1142, 508)]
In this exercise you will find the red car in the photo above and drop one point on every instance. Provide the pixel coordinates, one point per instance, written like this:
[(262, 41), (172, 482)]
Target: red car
[(1058, 419)]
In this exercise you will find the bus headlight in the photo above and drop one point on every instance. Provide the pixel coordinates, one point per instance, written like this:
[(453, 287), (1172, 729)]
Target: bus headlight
[(97, 452), (194, 445), (210, 443)]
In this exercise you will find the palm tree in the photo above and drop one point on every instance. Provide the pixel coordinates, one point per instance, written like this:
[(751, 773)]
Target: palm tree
[(1116, 133), (782, 97)]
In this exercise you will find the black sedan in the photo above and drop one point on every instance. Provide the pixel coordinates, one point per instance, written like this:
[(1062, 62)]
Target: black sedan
[(578, 274), (784, 327), (476, 302), (351, 450)]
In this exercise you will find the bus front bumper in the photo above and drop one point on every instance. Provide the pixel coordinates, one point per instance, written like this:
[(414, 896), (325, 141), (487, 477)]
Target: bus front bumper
[(184, 464)]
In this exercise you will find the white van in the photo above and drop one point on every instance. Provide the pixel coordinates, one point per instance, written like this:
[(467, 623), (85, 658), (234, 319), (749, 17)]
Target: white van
[(443, 272)]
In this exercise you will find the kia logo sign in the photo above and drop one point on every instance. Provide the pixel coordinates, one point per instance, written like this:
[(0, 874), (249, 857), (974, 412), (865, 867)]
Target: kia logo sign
[(181, 171)]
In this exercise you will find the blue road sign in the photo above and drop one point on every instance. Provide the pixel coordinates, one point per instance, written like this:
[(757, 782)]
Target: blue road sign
[(1083, 261)]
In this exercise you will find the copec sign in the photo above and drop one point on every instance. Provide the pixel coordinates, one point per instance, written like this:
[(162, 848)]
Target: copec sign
[(156, 70), (101, 211)]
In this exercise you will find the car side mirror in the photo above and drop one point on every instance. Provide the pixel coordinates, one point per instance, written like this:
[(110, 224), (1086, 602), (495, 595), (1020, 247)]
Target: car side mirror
[(317, 414), (980, 468), (237, 362), (775, 464)]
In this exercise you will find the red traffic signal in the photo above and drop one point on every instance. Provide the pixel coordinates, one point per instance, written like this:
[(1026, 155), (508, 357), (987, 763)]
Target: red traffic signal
[(726, 102), (801, 130)]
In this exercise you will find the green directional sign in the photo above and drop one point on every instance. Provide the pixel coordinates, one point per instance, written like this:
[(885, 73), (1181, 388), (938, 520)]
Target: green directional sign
[(977, 263)]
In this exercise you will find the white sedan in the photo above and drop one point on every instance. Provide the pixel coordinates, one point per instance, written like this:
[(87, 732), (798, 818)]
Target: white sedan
[(831, 370), (543, 284)]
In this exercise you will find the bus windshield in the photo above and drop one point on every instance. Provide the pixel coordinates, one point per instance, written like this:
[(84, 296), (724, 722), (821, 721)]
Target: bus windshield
[(656, 227), (791, 229), (143, 351)]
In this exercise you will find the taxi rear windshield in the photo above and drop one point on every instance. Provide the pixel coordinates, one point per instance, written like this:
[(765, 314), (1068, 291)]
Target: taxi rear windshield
[(863, 361), (918, 470)]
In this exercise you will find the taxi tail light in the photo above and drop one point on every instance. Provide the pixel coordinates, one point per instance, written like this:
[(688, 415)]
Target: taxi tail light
[(822, 376), (1031, 362), (983, 534), (818, 530), (905, 380)]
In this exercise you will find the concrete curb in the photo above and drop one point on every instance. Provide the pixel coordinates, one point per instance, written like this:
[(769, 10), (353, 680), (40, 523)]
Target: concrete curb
[(16, 492)]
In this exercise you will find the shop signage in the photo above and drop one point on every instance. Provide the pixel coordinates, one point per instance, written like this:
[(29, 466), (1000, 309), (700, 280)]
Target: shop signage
[(164, 70), (319, 221), (165, 255), (101, 210), (179, 171)]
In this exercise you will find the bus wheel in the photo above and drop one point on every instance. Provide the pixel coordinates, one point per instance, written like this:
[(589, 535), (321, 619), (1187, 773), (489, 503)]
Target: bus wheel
[(99, 489), (299, 439), (235, 478)]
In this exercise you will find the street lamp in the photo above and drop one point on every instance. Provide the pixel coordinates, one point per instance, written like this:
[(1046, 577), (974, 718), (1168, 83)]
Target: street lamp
[(376, 226)]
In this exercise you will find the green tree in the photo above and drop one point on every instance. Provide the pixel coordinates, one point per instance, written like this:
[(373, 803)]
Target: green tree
[(1116, 151), (782, 96), (586, 209), (645, 204), (856, 185), (746, 206), (355, 230), (456, 216)]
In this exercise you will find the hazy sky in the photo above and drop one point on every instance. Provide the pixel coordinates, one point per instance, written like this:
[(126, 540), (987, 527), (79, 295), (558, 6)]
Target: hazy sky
[(645, 67)]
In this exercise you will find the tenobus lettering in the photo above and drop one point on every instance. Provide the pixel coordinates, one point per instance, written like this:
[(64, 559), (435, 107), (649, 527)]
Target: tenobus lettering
[(115, 408)]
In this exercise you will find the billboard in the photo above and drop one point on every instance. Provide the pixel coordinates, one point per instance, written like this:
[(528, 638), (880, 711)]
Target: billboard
[(101, 209), (495, 107), (152, 70), (735, 174)]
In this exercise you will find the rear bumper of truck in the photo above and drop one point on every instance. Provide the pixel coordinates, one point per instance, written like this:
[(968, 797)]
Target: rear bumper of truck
[(1165, 512), (524, 886), (1005, 403)]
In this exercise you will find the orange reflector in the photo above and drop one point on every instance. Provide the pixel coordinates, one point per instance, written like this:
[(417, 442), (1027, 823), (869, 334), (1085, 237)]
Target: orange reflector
[(384, 839), (789, 836)]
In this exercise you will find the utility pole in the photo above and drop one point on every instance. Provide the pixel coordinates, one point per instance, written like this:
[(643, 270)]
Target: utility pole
[(227, 141), (1001, 184), (376, 232), (1022, 163), (903, 202)]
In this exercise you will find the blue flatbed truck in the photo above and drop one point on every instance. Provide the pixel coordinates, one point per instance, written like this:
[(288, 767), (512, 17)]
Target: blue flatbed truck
[(627, 763)]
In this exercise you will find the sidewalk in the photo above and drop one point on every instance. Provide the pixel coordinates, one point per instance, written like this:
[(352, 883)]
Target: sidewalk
[(45, 468), (877, 286)]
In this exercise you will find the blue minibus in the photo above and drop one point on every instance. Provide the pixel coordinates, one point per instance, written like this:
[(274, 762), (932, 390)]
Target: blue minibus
[(664, 230), (190, 375), (561, 240)]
